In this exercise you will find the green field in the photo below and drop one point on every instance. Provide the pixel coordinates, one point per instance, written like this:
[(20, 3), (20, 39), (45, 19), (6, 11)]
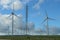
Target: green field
[(21, 37)]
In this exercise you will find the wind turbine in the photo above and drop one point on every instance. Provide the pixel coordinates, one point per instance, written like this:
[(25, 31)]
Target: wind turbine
[(47, 20), (12, 15)]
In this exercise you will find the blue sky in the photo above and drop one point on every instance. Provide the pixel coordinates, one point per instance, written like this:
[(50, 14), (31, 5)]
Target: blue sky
[(52, 7), (36, 11)]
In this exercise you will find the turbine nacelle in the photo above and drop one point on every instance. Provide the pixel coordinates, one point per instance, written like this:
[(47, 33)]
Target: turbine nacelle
[(12, 13), (47, 18)]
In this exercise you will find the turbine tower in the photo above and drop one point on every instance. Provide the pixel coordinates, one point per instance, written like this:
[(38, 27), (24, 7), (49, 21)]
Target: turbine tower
[(8, 31), (47, 20), (26, 19)]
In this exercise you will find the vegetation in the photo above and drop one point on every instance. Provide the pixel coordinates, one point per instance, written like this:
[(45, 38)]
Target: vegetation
[(24, 37)]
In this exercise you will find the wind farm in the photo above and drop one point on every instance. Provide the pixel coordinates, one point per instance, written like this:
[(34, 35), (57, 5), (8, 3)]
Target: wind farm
[(24, 20), (27, 36)]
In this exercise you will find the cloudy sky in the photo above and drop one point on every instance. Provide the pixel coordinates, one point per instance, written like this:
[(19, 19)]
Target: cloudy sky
[(36, 15)]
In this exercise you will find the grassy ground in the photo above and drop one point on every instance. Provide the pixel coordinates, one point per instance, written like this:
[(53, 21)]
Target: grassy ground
[(31, 37)]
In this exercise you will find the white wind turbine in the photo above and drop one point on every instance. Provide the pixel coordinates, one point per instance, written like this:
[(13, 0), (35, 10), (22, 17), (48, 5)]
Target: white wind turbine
[(47, 20)]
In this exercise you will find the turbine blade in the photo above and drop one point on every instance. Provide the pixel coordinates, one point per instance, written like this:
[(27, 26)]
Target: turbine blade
[(10, 15), (44, 20), (16, 16), (51, 19), (46, 13)]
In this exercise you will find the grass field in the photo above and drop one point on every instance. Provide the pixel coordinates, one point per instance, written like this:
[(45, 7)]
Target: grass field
[(21, 37)]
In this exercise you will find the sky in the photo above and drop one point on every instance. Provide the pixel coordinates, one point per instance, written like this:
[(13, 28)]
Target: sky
[(36, 15)]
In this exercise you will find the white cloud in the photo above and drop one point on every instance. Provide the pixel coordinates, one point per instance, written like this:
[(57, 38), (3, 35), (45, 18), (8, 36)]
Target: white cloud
[(37, 5), (41, 1), (17, 5), (2, 34), (31, 25), (5, 22), (19, 25), (8, 4), (5, 2), (20, 28), (26, 1), (5, 7)]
